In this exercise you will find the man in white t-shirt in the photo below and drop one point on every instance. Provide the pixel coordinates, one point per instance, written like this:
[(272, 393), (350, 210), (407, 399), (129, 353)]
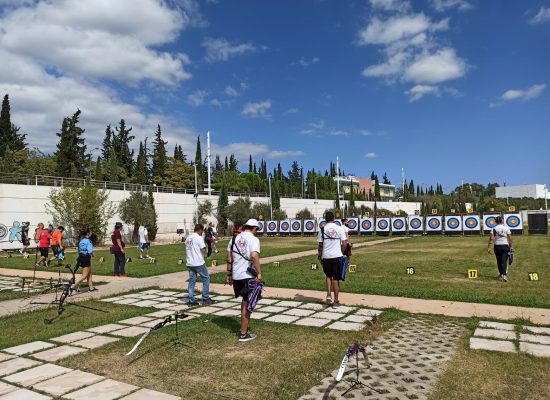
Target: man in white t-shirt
[(243, 266), (143, 242), (502, 237), (332, 242), (195, 248)]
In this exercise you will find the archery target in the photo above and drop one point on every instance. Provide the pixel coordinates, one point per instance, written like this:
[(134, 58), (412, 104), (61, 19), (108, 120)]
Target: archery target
[(296, 226), (433, 223), (3, 231), (338, 222), (453, 223), (309, 226), (471, 223), (366, 225), (416, 223), (284, 226), (271, 226), (489, 221), (261, 228), (353, 224), (398, 224), (512, 221), (321, 223), (382, 224)]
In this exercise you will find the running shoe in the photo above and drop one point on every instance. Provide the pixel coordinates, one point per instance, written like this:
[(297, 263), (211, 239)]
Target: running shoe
[(247, 337), (207, 302), (328, 300), (336, 304), (505, 278), (93, 289), (193, 303)]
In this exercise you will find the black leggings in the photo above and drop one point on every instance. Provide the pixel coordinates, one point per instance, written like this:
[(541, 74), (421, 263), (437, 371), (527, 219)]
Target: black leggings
[(501, 253), (209, 248)]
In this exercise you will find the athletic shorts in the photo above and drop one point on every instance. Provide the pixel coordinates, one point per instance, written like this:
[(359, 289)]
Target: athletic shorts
[(84, 260), (240, 286), (332, 267), (44, 251), (144, 246), (56, 250)]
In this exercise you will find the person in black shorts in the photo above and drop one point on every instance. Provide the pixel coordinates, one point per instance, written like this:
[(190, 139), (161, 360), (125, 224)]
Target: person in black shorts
[(84, 260)]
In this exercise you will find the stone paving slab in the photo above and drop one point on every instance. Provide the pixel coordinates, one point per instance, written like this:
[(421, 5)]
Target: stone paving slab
[(266, 302), (368, 311), (178, 308), (66, 383), (357, 318), (5, 388), (161, 306), (346, 326), (538, 350), (495, 334), (206, 310), (160, 314), (24, 394), (106, 328), (28, 348), (17, 364), (341, 309), (29, 377), (96, 341), (4, 356), (130, 332), (538, 329), (228, 313), (492, 345), (313, 306), (225, 304), (259, 315), (72, 337), (281, 318), (221, 298), (327, 315), (312, 322), (273, 309), (299, 312), (165, 298), (144, 303), (112, 299), (150, 297), (152, 291), (58, 353), (289, 304), (108, 389), (171, 293), (497, 325), (127, 301), (135, 321), (540, 339), (146, 394)]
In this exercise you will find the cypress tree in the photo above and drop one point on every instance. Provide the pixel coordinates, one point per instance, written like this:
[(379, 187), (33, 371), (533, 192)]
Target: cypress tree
[(141, 173), (198, 162), (71, 149), (377, 190), (9, 136), (411, 188), (250, 163), (233, 163), (223, 203), (218, 167), (107, 144), (125, 157), (160, 160), (98, 173), (153, 228)]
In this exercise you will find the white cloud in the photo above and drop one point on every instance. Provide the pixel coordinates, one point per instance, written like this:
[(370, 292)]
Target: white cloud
[(257, 110), (243, 150), (441, 66), (231, 91), (285, 153), (370, 155), (444, 5), (398, 28), (197, 98), (293, 110), (305, 62), (339, 132), (317, 125), (419, 91), (390, 5), (222, 49), (542, 16), (524, 94), (365, 132)]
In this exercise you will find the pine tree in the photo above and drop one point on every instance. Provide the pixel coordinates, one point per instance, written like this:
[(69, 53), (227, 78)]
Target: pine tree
[(198, 161), (153, 227), (9, 136), (223, 203), (218, 167), (159, 156), (386, 180), (233, 163), (377, 190), (226, 165), (372, 176), (121, 144), (250, 163), (71, 149), (411, 188), (98, 173), (107, 144), (141, 174)]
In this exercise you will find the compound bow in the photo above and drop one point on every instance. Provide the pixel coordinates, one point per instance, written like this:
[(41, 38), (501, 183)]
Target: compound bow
[(355, 349)]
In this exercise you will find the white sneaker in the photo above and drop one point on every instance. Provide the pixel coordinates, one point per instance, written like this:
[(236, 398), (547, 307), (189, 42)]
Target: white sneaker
[(329, 300), (505, 278)]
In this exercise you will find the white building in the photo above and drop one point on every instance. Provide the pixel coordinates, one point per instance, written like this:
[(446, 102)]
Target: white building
[(535, 191)]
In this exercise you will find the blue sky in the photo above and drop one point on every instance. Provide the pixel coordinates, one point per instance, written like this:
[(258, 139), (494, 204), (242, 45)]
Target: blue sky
[(446, 89)]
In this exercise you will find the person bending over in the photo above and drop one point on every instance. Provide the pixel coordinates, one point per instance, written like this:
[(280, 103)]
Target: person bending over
[(332, 241), (84, 260), (502, 238), (243, 266), (195, 248), (57, 245)]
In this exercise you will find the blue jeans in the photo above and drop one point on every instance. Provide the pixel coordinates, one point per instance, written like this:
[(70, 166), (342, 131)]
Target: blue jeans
[(205, 277)]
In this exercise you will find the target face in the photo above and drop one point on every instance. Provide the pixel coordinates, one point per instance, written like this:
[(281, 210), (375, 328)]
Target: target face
[(352, 224), (382, 224), (453, 223), (338, 222), (434, 223), (398, 224), (415, 223), (490, 222), (471, 222), (3, 231), (366, 224), (296, 226), (512, 221), (309, 225), (261, 227), (322, 224), (272, 226), (284, 226)]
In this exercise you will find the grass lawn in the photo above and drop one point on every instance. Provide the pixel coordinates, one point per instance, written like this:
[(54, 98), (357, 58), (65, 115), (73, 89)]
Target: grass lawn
[(168, 255), (489, 375), (441, 265)]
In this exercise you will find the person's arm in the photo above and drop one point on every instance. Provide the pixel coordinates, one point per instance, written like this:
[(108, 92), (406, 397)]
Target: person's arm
[(229, 279), (320, 251), (119, 244), (489, 243), (255, 257), (509, 236), (90, 249)]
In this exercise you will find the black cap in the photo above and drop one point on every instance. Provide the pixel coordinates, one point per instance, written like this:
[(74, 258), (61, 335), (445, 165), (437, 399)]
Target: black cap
[(118, 225)]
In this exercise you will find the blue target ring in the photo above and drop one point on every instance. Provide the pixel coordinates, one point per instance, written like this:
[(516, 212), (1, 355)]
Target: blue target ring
[(471, 222), (398, 224), (366, 224), (339, 223), (352, 224), (3, 231), (272, 226), (261, 227), (322, 224), (309, 225), (453, 223), (434, 223), (512, 221), (284, 226), (415, 223), (296, 226), (382, 224), (491, 222)]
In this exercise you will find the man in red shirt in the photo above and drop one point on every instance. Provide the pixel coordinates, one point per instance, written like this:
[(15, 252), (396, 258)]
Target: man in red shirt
[(43, 247), (118, 250)]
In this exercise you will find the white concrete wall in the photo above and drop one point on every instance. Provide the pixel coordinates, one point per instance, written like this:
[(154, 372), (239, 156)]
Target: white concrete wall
[(175, 211)]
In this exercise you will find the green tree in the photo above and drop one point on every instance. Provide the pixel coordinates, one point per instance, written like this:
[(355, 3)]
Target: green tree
[(107, 144), (112, 171), (76, 207), (71, 149), (279, 215), (178, 174), (160, 160), (304, 214), (137, 210), (198, 162), (178, 154), (377, 190), (223, 203), (10, 138), (261, 211), (98, 173), (141, 174), (153, 227), (386, 181), (121, 145), (204, 210), (23, 161), (239, 211)]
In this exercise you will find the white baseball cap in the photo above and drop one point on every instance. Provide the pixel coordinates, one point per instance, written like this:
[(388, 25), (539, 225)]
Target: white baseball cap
[(252, 222)]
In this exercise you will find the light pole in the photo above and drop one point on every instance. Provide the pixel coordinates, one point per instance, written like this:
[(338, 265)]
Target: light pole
[(196, 194)]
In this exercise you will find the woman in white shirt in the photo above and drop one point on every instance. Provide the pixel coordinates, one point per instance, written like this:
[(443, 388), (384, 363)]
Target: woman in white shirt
[(502, 238)]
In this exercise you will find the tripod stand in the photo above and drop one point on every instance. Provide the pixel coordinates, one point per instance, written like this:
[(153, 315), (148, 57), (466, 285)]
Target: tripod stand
[(178, 340), (355, 349)]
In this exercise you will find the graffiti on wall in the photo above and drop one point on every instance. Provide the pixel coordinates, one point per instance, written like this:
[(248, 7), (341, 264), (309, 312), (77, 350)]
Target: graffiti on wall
[(15, 232)]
